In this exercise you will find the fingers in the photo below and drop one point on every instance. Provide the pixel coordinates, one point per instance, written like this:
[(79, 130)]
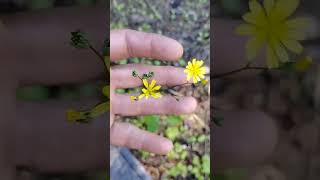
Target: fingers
[(45, 55), (164, 105), (121, 76), (136, 138), (245, 139), (129, 43)]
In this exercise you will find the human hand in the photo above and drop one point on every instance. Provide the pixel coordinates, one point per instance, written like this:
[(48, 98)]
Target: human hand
[(44, 141), (129, 43)]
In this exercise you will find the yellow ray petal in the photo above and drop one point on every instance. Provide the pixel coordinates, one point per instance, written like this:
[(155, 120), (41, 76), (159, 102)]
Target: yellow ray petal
[(272, 60), (144, 90), (245, 29), (298, 23), (200, 63), (141, 96), (293, 45), (296, 35), (153, 82), (280, 51), (253, 46), (145, 83), (156, 95), (268, 5), (285, 8), (156, 88), (188, 77)]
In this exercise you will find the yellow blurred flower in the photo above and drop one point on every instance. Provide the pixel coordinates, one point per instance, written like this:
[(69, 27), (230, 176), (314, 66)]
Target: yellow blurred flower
[(195, 70), (303, 64), (269, 26), (150, 90), (133, 98), (204, 81), (73, 115)]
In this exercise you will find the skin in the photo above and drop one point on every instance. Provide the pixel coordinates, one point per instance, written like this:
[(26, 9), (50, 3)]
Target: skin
[(34, 49)]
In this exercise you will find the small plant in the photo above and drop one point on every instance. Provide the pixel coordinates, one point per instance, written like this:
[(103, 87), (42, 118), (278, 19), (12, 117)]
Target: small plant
[(80, 41), (194, 71)]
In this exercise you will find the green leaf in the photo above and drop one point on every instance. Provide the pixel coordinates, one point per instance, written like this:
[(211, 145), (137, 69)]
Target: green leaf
[(174, 120), (205, 164), (172, 132), (120, 91), (106, 91), (151, 122), (99, 109), (202, 138), (79, 40)]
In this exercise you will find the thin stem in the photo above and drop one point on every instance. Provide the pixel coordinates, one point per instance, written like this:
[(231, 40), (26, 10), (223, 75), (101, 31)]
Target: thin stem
[(100, 57), (187, 83), (246, 67)]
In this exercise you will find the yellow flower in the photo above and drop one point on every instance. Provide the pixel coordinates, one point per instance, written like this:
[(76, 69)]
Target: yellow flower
[(269, 26), (204, 81), (195, 70), (303, 64), (150, 90), (73, 115), (133, 98)]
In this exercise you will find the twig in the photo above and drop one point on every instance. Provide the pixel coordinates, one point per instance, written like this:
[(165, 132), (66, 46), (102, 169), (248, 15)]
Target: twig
[(246, 67), (100, 57)]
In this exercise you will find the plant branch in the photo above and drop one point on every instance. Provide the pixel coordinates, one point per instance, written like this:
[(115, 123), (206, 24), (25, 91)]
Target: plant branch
[(246, 67), (100, 57)]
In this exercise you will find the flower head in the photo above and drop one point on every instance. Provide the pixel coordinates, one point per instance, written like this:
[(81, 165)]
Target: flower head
[(269, 26), (195, 70), (73, 115), (133, 98), (150, 90)]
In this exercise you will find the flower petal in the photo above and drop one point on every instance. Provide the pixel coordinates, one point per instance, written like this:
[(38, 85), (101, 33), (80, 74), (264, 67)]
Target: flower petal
[(285, 8), (253, 46), (280, 51), (272, 60), (156, 95), (296, 35), (199, 63), (156, 88), (298, 23), (293, 45), (188, 77), (245, 29), (145, 83), (268, 5), (153, 82), (257, 15), (145, 91), (194, 61), (141, 96)]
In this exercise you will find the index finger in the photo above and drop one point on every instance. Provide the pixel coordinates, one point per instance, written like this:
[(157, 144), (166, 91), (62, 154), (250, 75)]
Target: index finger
[(129, 43)]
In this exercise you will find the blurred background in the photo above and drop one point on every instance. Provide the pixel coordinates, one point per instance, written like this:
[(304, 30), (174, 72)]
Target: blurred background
[(187, 22), (65, 92), (290, 98)]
